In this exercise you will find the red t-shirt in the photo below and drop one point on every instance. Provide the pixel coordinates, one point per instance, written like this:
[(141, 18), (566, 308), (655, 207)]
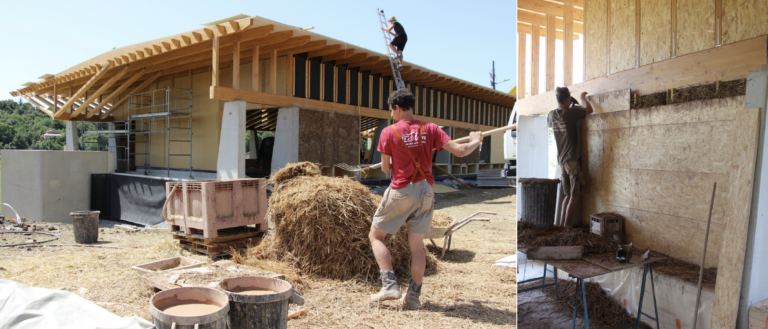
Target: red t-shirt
[(402, 167)]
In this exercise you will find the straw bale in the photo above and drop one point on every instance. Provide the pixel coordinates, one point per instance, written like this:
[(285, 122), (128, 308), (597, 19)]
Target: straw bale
[(321, 226)]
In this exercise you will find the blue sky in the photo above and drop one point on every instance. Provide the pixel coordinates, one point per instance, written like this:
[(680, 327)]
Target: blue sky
[(458, 38)]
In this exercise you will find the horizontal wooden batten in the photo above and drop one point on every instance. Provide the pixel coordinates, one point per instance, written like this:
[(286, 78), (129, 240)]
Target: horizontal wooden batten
[(723, 63), (230, 94)]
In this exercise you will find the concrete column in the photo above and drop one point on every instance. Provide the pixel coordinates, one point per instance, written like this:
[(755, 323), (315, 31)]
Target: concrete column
[(253, 145), (71, 134), (286, 138), (754, 287), (383, 123), (532, 160), (231, 160), (112, 143)]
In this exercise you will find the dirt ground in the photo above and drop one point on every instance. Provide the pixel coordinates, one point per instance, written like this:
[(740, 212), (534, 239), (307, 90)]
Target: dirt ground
[(466, 291)]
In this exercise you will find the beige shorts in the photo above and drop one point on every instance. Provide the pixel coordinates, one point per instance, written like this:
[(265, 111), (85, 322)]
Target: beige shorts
[(413, 205), (571, 180)]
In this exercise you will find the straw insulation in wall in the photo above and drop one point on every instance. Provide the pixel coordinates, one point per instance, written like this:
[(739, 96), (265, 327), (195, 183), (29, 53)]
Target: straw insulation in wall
[(655, 35), (695, 26), (329, 137), (623, 45), (596, 19), (656, 167)]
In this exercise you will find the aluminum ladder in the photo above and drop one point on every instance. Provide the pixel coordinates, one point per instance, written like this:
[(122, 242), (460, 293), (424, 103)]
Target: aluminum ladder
[(387, 39)]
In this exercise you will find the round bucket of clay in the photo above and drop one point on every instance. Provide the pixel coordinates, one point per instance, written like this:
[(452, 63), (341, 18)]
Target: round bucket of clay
[(186, 307), (259, 302)]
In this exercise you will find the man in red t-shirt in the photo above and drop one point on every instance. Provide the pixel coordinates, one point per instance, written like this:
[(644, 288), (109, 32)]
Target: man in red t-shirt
[(406, 150)]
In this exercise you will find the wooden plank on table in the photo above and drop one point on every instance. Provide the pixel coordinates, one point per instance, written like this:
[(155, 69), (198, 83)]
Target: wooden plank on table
[(561, 252), (550, 83), (723, 63), (731, 265), (608, 261)]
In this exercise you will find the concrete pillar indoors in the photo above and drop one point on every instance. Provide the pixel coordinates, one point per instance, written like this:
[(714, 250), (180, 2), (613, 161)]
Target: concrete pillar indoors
[(754, 287), (253, 146), (286, 148), (231, 160), (71, 134), (383, 123), (532, 144), (112, 144)]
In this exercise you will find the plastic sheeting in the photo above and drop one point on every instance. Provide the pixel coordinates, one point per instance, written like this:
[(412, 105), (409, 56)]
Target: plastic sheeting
[(31, 308), (675, 299)]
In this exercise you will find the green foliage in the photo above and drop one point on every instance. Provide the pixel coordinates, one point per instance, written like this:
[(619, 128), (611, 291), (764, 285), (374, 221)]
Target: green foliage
[(262, 135), (22, 127)]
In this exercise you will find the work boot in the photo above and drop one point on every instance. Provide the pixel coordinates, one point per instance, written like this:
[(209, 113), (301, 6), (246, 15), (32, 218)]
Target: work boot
[(389, 290), (411, 298)]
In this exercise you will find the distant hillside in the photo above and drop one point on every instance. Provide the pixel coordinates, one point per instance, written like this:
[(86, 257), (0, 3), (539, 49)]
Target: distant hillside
[(22, 126)]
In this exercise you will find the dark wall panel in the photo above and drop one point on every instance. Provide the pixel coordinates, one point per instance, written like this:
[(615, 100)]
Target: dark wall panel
[(314, 78), (341, 84), (300, 74), (365, 86), (354, 80), (328, 81), (375, 99), (428, 101)]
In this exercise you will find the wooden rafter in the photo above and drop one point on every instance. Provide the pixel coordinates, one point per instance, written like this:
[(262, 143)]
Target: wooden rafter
[(548, 8), (339, 55), (116, 92), (324, 51), (135, 90), (539, 19), (39, 106), (83, 89), (307, 47), (88, 102)]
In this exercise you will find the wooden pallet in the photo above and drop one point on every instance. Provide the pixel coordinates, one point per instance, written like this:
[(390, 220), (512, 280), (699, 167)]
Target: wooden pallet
[(221, 246)]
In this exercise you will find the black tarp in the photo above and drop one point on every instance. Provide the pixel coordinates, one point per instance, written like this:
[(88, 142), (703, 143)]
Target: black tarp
[(130, 198)]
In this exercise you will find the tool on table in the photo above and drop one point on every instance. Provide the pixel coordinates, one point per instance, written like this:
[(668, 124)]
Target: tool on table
[(703, 256), (624, 254), (347, 167), (388, 39)]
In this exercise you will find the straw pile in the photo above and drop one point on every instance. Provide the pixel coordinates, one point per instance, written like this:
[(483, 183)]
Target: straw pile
[(441, 220), (321, 226)]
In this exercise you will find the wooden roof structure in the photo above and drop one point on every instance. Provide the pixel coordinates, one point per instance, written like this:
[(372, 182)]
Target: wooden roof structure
[(89, 90)]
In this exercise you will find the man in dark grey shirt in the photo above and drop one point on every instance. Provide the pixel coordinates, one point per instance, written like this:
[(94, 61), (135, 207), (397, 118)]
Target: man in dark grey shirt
[(564, 123)]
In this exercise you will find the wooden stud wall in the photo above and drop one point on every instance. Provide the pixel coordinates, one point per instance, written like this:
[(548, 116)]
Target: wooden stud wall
[(535, 47), (567, 45), (550, 74), (521, 65)]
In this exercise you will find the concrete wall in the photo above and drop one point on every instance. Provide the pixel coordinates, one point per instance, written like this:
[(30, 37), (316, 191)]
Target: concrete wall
[(48, 185), (286, 148)]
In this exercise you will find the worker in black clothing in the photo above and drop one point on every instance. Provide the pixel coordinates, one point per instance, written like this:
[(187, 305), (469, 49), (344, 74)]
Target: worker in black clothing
[(398, 43)]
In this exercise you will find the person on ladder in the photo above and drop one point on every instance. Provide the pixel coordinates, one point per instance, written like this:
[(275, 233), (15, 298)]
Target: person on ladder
[(398, 43), (406, 150)]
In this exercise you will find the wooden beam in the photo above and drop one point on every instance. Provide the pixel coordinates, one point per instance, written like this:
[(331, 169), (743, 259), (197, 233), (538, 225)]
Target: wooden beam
[(565, 252), (550, 74), (138, 89), (568, 45), (520, 65), (289, 63), (230, 94), (273, 38), (543, 31), (273, 72), (39, 106), (287, 44), (538, 19), (535, 39), (117, 92), (324, 51), (548, 8), (576, 3), (215, 63), (83, 89), (100, 91), (339, 55), (307, 47), (718, 22), (673, 28), (352, 59), (367, 62), (236, 65), (727, 62), (255, 69)]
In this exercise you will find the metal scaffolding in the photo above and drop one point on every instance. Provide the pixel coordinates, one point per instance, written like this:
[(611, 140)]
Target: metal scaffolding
[(117, 141), (157, 113)]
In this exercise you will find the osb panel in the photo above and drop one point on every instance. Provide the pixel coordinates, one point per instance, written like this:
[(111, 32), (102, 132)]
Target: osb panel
[(593, 122), (680, 194), (734, 244), (623, 43), (695, 26), (591, 160), (328, 138), (596, 21), (616, 187), (678, 236), (610, 102), (473, 157), (616, 144), (655, 35), (743, 19), (696, 111), (691, 147), (611, 120)]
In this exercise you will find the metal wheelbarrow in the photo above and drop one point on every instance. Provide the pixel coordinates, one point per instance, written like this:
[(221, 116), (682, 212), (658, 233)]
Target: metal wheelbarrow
[(446, 232)]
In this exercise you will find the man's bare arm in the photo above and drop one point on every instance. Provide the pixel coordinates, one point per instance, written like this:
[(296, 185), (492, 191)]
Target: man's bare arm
[(386, 163), (587, 106), (462, 150)]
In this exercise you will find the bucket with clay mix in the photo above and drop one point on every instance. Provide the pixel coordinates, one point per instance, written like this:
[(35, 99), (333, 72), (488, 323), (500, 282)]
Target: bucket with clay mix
[(259, 302), (190, 307)]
